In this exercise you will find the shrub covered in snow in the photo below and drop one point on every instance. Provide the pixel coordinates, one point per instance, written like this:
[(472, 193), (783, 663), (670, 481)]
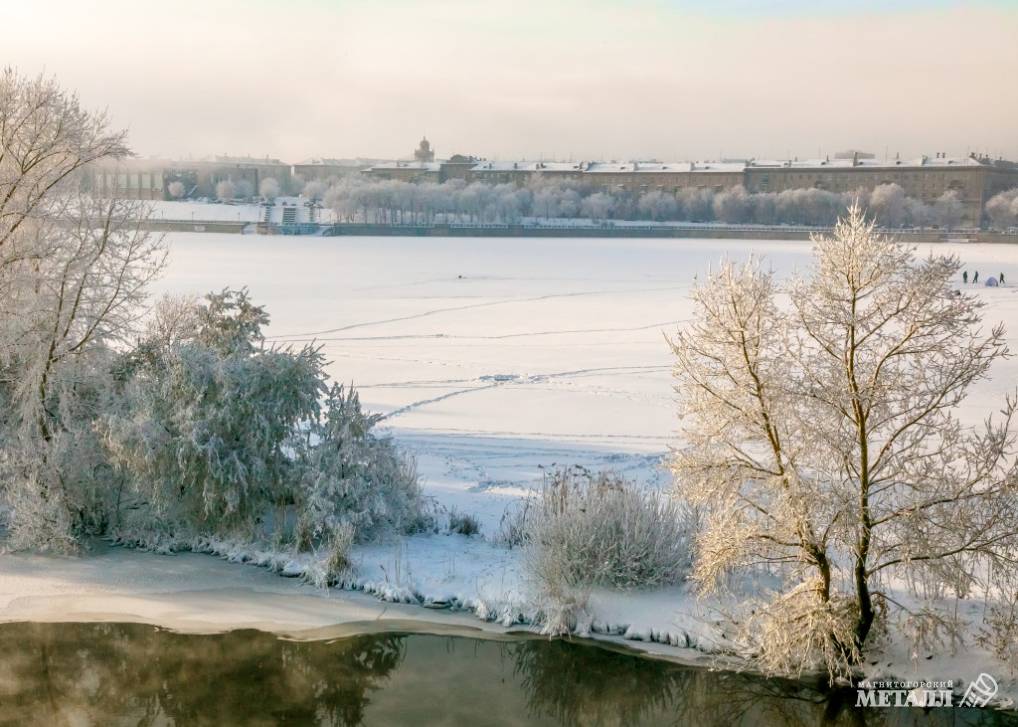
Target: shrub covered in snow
[(512, 527), (214, 433), (600, 529), (585, 530), (463, 523), (352, 479), (204, 421)]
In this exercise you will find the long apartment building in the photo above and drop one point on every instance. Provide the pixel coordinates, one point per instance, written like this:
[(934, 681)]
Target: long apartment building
[(138, 178), (973, 179)]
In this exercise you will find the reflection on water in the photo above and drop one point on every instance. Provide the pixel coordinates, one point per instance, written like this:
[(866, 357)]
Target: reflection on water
[(117, 674)]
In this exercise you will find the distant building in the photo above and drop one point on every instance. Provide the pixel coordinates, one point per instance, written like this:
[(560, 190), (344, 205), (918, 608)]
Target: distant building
[(127, 178), (408, 171), (137, 178), (249, 171), (458, 166), (667, 176), (973, 179), (523, 172), (324, 170), (424, 152)]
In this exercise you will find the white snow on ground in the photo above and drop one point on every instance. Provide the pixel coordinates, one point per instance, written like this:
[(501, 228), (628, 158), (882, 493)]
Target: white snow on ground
[(494, 358), (205, 211), (188, 592), (193, 211)]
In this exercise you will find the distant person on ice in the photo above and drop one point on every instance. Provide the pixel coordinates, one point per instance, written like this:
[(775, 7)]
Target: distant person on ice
[(1001, 278), (965, 276), (975, 278)]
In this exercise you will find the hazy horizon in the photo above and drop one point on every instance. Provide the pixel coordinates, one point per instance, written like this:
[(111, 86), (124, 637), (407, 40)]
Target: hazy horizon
[(647, 79)]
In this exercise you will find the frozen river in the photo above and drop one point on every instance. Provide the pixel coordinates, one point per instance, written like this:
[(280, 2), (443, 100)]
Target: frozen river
[(494, 356)]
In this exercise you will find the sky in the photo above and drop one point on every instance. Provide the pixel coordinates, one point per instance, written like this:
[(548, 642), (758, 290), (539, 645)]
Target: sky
[(562, 79)]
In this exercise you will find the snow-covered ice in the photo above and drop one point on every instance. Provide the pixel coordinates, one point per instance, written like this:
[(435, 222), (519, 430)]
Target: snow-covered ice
[(204, 211), (193, 211), (493, 357)]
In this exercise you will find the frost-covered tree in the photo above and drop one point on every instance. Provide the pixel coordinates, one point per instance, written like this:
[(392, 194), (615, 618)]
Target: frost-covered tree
[(816, 207), (695, 205), (73, 270), (821, 442), (243, 188), (314, 191), (598, 206), (733, 206), (887, 205), (226, 191), (918, 213), (657, 205), (45, 137), (268, 188), (175, 189), (80, 291), (511, 203), (948, 210), (765, 211), (1002, 209)]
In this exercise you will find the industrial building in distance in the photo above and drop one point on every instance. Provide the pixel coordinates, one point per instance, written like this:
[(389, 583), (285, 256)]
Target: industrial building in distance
[(974, 179)]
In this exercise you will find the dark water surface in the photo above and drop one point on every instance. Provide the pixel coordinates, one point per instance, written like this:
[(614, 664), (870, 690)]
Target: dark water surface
[(129, 674)]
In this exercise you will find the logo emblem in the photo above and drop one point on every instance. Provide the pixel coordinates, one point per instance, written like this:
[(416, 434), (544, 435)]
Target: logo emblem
[(980, 692)]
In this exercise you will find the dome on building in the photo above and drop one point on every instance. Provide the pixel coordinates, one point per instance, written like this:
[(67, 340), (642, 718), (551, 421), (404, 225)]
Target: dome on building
[(424, 152)]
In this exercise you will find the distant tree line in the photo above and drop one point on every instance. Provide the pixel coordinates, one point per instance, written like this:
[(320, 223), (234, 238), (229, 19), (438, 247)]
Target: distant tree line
[(395, 202), (1002, 210)]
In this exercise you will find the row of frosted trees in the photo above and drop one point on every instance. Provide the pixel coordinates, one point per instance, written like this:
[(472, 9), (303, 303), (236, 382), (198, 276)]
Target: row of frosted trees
[(394, 202), (357, 199)]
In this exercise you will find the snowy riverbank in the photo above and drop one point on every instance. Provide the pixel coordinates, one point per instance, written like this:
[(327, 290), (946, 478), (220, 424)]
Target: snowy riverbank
[(199, 593)]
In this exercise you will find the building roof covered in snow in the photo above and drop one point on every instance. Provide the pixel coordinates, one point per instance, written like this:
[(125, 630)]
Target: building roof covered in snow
[(418, 166), (528, 166), (663, 167), (869, 163)]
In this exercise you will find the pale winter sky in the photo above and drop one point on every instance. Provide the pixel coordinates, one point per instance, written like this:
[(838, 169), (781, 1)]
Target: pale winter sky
[(671, 79)]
